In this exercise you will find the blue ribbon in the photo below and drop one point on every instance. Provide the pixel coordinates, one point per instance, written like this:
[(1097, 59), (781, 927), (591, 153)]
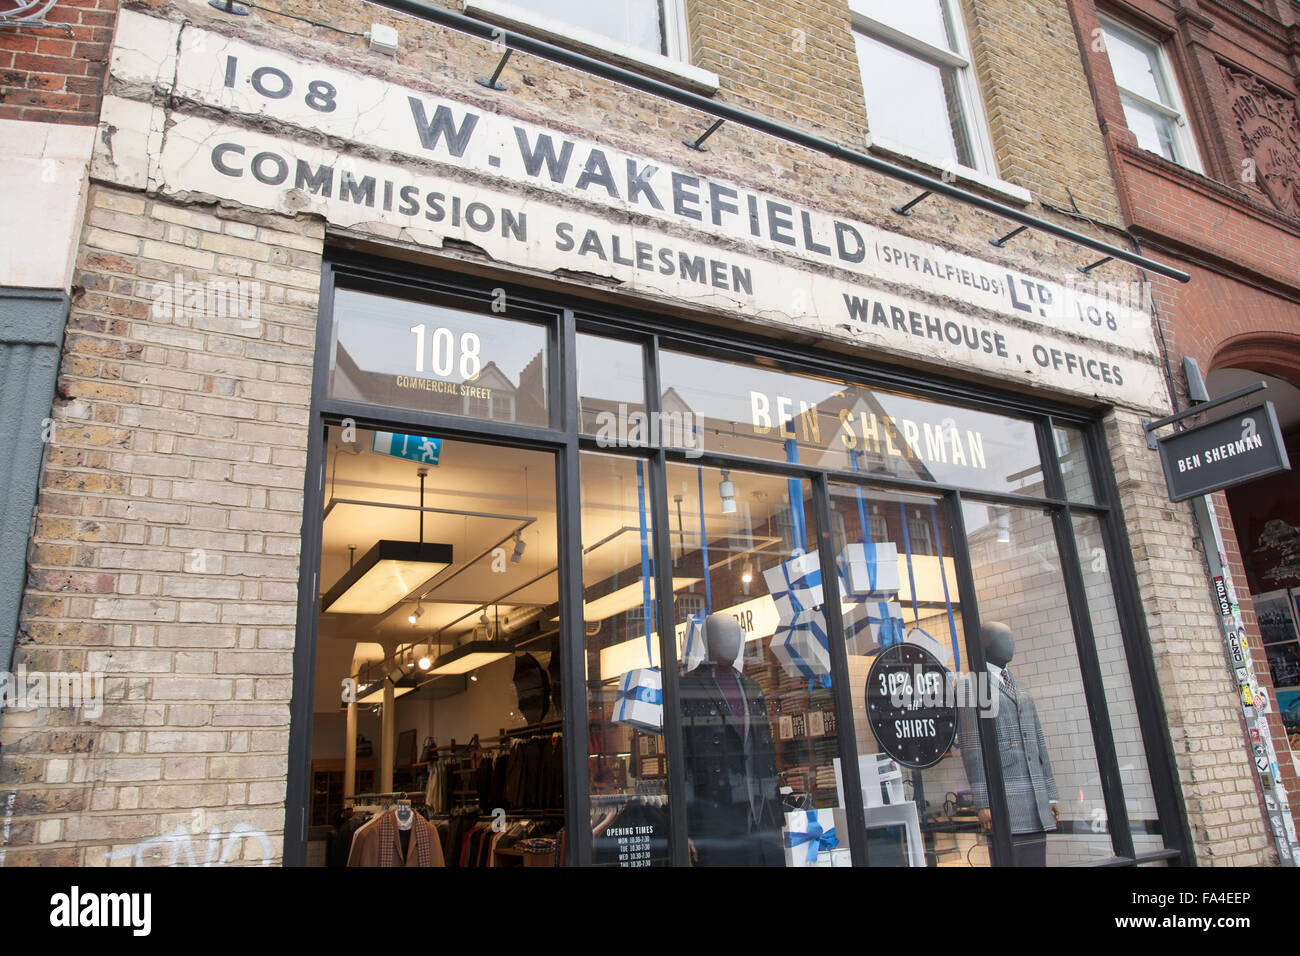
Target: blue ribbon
[(787, 631), (817, 838), (648, 610), (891, 628), (943, 574)]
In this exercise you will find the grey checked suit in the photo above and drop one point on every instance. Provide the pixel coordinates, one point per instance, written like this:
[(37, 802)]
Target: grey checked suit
[(1026, 768)]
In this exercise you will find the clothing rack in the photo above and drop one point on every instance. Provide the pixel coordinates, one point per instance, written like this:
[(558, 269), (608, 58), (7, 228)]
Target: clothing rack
[(526, 731)]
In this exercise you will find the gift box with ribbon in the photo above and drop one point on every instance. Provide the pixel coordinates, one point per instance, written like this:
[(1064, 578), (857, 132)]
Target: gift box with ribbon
[(802, 647), (810, 837), (795, 585), (881, 621), (868, 570), (640, 700)]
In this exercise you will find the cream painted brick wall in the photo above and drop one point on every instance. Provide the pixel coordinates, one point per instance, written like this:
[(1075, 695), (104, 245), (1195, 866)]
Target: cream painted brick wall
[(1200, 699), (165, 558)]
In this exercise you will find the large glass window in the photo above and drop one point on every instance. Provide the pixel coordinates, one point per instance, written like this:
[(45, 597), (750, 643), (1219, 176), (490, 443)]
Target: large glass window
[(916, 77), (1044, 738), (923, 783), (759, 727), (1153, 109), (402, 353), (440, 589), (762, 413), (1130, 752), (436, 714)]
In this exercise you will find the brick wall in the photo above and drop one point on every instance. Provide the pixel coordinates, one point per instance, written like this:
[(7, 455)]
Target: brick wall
[(49, 75), (165, 552), (1224, 807)]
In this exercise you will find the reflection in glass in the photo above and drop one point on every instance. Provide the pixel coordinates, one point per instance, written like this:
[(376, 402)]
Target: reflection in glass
[(899, 586), (758, 720), (611, 388), (1049, 764), (924, 19), (912, 102), (767, 414), (1075, 471), (1135, 775), (627, 759), (406, 354), (635, 22)]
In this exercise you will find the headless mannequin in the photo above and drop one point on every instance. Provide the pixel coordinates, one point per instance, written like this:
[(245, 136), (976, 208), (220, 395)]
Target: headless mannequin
[(1029, 847), (733, 806)]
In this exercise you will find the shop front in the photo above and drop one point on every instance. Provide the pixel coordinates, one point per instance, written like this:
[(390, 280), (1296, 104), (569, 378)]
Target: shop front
[(619, 646), (488, 484)]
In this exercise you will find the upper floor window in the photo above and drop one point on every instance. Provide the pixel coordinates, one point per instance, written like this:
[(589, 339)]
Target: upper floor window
[(645, 35), (638, 23), (918, 82), (1153, 109)]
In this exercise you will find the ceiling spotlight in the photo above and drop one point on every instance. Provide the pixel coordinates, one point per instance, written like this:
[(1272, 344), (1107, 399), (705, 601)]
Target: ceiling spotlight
[(415, 615), (519, 548), (727, 491), (473, 677), (747, 575), (425, 663)]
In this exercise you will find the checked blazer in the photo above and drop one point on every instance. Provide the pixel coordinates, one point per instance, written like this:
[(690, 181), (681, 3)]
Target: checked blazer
[(1022, 752)]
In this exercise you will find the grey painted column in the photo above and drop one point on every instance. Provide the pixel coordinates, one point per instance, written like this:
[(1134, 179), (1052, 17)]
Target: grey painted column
[(31, 340)]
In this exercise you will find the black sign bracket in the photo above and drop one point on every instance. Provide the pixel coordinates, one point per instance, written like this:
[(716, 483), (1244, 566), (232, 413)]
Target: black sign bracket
[(1150, 426)]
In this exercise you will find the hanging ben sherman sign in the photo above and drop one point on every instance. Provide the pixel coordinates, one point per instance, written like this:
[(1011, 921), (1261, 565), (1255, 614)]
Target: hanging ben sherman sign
[(1223, 453), (374, 156)]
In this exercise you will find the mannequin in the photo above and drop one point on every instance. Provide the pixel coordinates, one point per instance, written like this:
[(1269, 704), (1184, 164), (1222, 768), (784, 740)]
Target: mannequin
[(1026, 768), (732, 801)]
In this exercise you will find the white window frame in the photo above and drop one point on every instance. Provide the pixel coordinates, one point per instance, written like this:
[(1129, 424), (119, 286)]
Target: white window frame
[(674, 67), (1184, 142), (970, 102)]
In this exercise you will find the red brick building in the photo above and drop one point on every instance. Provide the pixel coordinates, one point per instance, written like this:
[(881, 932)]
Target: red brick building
[(1197, 104)]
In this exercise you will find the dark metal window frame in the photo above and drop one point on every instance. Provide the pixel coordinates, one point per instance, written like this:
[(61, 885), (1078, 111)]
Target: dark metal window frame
[(565, 317)]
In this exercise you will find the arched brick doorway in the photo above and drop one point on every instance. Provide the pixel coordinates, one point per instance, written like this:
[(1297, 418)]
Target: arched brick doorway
[(1266, 518)]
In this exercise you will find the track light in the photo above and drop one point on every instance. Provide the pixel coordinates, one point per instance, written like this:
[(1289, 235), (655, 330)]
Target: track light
[(747, 575), (415, 615), (519, 548), (473, 677), (425, 663), (727, 491)]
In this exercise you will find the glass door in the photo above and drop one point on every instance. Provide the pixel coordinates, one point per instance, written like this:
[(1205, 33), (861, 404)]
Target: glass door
[(436, 726)]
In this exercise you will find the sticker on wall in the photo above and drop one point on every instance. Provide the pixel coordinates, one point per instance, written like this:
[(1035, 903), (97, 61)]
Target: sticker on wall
[(911, 706)]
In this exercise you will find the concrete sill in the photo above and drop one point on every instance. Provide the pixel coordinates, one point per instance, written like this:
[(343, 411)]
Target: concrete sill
[(1000, 189)]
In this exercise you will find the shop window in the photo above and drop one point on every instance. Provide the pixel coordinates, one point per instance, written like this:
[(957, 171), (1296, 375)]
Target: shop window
[(430, 357), (920, 781), (1044, 738), (437, 685), (758, 721), (1130, 753), (611, 391), (627, 754), (1153, 107), (767, 414), (1076, 473), (920, 89)]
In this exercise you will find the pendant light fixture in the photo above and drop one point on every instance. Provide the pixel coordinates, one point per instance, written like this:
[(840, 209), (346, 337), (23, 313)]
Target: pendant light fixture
[(727, 492), (388, 572)]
